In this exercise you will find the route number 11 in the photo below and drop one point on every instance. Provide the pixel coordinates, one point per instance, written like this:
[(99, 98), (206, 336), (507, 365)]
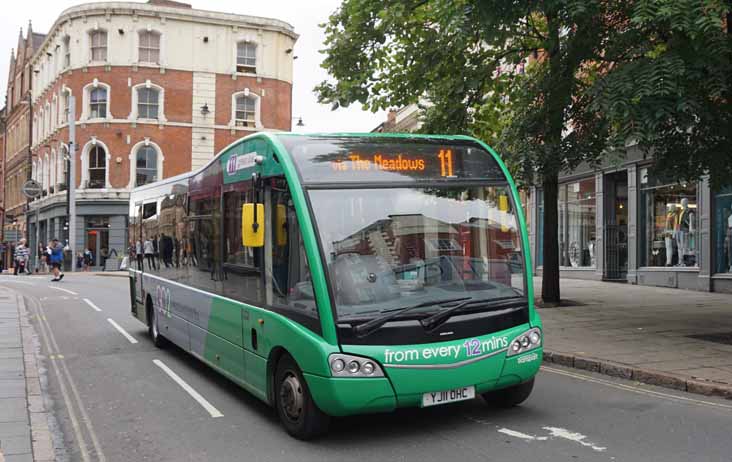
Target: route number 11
[(445, 162)]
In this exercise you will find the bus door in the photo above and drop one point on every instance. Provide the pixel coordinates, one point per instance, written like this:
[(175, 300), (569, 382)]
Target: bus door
[(136, 244)]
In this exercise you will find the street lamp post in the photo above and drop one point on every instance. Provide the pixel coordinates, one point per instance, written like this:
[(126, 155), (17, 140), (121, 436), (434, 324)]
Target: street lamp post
[(71, 186)]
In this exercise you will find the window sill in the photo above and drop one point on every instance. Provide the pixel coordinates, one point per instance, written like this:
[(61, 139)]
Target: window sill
[(577, 268), (722, 276), (663, 269)]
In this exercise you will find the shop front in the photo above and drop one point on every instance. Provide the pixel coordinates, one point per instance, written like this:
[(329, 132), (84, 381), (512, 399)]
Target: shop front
[(624, 224)]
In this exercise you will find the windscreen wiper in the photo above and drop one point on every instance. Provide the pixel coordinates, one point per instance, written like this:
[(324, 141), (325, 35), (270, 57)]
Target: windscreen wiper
[(362, 330), (437, 319)]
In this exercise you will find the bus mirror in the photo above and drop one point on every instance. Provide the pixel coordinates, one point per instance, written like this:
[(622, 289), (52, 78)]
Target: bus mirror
[(281, 231), (252, 225)]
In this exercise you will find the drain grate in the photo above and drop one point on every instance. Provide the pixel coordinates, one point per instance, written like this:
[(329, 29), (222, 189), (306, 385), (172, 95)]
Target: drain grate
[(724, 338)]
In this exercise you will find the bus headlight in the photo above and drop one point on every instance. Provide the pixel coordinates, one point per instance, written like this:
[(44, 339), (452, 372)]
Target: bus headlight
[(353, 366), (527, 341)]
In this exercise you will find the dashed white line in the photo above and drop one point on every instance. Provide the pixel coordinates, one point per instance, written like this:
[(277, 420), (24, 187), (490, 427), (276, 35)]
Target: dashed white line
[(90, 303), (194, 394), (63, 290), (122, 331)]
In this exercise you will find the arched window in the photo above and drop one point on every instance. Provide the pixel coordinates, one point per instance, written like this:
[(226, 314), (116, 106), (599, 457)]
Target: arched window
[(98, 103), (149, 49), (148, 103), (97, 167), (246, 57), (245, 111), (146, 165), (98, 45), (46, 174)]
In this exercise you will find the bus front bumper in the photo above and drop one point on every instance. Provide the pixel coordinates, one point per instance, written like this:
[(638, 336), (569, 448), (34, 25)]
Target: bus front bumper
[(340, 396)]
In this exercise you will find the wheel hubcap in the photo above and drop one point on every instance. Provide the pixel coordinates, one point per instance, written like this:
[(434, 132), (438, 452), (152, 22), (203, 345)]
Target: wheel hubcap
[(291, 397)]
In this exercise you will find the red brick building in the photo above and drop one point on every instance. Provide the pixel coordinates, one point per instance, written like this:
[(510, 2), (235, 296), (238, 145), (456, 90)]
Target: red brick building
[(159, 89)]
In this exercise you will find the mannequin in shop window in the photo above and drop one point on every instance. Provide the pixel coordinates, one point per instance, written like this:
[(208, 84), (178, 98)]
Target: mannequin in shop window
[(685, 239), (670, 233)]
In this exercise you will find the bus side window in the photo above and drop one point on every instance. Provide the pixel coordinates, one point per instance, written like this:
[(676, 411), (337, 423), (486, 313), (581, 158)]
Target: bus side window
[(242, 266), (292, 286)]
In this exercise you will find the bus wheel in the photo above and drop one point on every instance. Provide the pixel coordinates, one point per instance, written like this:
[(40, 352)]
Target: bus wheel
[(295, 406), (509, 397), (153, 328)]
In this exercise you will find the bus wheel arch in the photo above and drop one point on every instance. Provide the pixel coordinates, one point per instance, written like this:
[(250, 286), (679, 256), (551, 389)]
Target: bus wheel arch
[(274, 357), (292, 400)]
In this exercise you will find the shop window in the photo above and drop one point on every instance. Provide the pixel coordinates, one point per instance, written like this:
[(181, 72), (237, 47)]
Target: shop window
[(577, 214), (668, 223), (723, 231)]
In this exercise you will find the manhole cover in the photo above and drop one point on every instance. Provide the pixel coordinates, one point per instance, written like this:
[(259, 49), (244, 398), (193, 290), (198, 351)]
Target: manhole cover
[(723, 338)]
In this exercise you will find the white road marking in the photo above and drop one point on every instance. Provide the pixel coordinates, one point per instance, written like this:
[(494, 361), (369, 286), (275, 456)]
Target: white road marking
[(122, 331), (63, 290), (524, 436), (90, 303), (194, 394), (641, 391), (558, 432), (52, 346)]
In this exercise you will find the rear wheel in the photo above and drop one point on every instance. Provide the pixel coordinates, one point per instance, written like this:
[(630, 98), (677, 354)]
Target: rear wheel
[(509, 397), (295, 406), (153, 327)]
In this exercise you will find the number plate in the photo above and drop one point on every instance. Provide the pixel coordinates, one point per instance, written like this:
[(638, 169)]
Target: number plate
[(448, 396)]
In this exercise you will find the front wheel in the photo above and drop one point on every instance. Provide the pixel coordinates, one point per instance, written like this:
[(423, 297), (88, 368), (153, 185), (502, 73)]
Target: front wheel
[(509, 397), (295, 406)]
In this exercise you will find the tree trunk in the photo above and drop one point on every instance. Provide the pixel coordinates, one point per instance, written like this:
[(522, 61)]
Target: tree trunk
[(550, 275)]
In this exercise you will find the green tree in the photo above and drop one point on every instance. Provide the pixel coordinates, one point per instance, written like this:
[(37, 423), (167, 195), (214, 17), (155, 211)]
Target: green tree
[(465, 58)]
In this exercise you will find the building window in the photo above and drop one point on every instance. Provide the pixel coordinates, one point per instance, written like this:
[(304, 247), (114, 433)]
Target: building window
[(67, 52), (245, 111), (147, 103), (668, 223), (149, 49), (97, 167), (146, 165), (246, 57), (98, 45), (65, 112), (723, 231), (98, 103)]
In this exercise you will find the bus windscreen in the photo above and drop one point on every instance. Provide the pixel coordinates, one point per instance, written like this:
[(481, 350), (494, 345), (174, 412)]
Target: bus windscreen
[(374, 159)]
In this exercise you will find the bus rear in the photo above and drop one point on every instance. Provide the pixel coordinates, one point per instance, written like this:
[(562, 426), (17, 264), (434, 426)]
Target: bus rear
[(425, 252)]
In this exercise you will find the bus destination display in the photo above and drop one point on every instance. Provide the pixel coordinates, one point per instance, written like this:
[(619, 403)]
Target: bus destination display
[(394, 163), (385, 160)]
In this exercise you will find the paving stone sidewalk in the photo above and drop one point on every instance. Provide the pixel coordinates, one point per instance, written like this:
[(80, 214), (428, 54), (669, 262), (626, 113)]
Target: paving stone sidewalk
[(667, 337), (24, 430)]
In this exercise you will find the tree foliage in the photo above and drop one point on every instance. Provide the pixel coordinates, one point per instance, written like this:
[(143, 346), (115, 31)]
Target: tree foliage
[(551, 84)]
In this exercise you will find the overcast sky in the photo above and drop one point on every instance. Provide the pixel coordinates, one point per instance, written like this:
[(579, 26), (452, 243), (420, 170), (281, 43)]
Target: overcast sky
[(303, 15)]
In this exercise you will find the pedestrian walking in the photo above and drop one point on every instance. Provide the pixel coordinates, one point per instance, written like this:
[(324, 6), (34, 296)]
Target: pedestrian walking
[(88, 259), (139, 255), (104, 254), (21, 258), (56, 258)]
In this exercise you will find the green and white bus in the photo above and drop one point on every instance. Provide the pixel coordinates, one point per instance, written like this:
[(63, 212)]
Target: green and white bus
[(338, 274)]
